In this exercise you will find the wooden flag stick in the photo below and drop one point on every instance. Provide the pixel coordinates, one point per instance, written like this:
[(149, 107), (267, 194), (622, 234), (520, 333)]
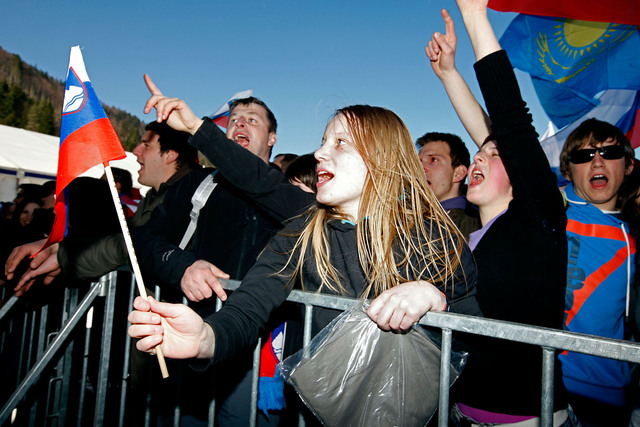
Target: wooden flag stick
[(132, 254)]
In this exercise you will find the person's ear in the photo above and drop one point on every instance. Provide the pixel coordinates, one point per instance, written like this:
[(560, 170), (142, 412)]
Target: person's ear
[(459, 173), (272, 139), (567, 174), (629, 169), (170, 156)]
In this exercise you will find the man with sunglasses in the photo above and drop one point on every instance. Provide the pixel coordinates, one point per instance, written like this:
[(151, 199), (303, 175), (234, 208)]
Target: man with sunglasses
[(596, 158)]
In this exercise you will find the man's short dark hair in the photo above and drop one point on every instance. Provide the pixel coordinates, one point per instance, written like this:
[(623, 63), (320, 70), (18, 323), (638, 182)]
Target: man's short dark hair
[(594, 132), (48, 188), (459, 152), (171, 139), (273, 123)]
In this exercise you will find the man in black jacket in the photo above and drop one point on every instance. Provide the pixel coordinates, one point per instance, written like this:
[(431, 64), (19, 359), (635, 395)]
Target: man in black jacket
[(165, 157), (247, 207)]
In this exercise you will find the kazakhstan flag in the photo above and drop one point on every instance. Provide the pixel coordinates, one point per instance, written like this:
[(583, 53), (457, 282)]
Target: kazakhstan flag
[(571, 61)]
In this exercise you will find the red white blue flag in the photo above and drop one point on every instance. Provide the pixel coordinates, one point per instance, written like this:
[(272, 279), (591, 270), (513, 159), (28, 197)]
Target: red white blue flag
[(271, 383), (87, 138), (221, 116)]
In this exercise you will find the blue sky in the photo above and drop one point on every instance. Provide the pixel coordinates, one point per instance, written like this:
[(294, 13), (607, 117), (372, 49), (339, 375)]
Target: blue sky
[(303, 58)]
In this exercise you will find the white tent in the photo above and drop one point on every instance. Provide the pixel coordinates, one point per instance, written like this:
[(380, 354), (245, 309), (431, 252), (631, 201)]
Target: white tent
[(31, 157)]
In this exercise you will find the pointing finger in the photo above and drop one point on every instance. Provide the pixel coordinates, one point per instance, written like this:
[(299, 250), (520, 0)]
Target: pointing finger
[(152, 87), (449, 27)]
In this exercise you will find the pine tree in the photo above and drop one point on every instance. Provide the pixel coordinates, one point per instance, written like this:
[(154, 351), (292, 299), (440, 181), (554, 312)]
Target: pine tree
[(47, 123), (4, 108), (16, 105), (40, 118)]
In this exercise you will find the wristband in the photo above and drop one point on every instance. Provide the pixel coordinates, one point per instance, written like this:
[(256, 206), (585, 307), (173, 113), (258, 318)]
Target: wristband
[(446, 306)]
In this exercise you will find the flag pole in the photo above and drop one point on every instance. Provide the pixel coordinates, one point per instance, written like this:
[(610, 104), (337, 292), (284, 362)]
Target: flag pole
[(132, 254)]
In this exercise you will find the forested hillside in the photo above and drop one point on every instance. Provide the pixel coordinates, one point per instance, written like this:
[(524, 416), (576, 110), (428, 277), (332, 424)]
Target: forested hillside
[(31, 99)]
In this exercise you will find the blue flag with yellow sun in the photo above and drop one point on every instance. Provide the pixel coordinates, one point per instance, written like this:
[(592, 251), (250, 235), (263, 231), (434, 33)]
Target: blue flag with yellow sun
[(570, 61)]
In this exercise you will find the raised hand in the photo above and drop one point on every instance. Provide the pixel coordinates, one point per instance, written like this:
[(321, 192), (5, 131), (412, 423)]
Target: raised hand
[(200, 281), (179, 331), (175, 111), (400, 307), (441, 49)]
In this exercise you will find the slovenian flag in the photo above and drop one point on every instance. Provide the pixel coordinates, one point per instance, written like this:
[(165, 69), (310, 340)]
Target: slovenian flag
[(87, 138), (221, 116), (271, 383)]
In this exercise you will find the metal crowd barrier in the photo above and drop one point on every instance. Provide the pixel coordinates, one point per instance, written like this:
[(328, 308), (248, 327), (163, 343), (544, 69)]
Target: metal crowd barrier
[(49, 380)]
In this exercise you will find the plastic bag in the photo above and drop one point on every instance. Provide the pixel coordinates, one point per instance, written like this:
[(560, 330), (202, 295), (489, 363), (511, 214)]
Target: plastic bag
[(357, 374)]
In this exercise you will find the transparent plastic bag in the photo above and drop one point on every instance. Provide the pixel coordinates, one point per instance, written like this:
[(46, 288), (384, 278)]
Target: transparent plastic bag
[(357, 374)]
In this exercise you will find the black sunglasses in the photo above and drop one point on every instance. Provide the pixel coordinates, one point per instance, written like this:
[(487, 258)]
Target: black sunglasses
[(608, 152)]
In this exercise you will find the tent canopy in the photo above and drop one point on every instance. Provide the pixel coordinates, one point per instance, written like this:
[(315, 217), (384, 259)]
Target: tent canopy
[(31, 157)]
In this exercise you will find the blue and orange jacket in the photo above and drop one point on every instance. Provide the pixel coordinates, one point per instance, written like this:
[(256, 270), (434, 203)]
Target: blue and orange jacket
[(599, 275)]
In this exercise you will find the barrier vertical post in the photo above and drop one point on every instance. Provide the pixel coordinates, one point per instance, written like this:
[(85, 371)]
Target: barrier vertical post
[(548, 362), (107, 332), (445, 378)]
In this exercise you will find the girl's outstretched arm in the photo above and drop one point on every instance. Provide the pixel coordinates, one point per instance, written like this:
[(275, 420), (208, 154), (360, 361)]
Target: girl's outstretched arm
[(441, 51), (474, 15)]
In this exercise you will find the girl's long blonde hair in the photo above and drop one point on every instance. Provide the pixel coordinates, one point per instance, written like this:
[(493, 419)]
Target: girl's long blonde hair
[(404, 220)]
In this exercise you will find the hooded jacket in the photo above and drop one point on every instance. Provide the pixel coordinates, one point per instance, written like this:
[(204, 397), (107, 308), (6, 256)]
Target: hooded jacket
[(600, 271)]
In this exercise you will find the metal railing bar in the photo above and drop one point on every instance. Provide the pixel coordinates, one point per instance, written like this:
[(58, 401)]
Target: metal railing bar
[(50, 412), (7, 306), (445, 378), (177, 409), (306, 337), (548, 364), (40, 346), (57, 343), (24, 346), (67, 365), (322, 300), (536, 335), (109, 291), (42, 333), (85, 366), (127, 359), (255, 376)]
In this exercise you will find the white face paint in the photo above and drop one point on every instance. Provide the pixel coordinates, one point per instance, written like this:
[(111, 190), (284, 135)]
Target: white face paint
[(341, 170)]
